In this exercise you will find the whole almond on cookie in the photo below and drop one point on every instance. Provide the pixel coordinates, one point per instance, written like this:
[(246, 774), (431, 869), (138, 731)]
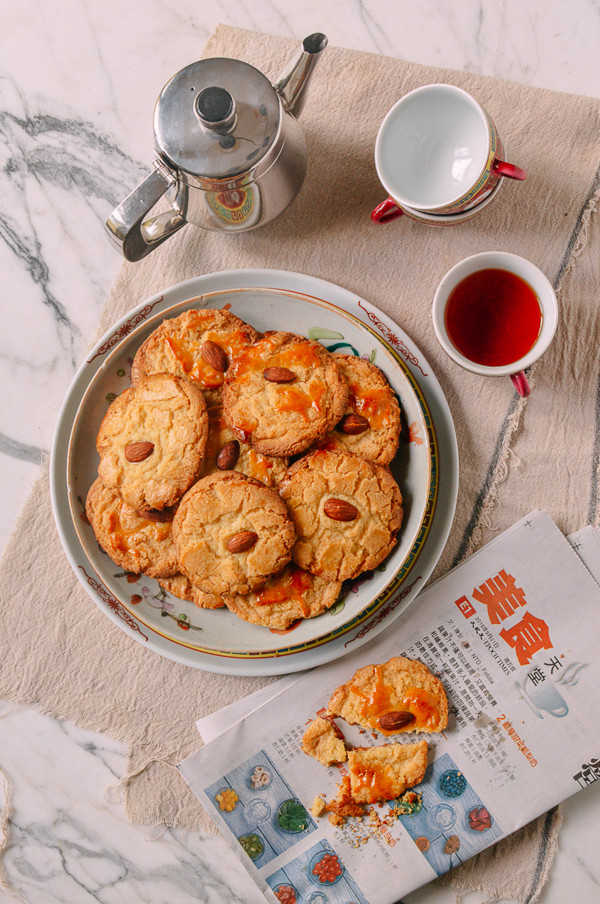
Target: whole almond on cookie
[(214, 355), (242, 542), (139, 451), (353, 424), (340, 510), (394, 721), (228, 456), (279, 375)]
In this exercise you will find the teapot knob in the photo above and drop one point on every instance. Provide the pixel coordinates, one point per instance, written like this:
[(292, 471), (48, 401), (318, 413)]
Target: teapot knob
[(215, 108)]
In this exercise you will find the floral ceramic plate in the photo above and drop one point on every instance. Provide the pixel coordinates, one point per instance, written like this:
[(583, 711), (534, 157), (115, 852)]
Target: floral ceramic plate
[(216, 639)]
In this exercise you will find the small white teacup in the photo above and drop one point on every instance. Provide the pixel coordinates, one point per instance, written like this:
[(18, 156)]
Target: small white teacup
[(438, 151), (484, 333)]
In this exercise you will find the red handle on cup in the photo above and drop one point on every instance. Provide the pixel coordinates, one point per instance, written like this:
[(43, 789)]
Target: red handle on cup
[(387, 211), (521, 384), (509, 169)]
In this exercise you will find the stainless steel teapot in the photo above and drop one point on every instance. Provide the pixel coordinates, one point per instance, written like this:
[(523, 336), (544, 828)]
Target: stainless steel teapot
[(230, 153)]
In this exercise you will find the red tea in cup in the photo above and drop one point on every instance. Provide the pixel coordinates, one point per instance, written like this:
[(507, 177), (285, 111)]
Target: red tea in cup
[(493, 317)]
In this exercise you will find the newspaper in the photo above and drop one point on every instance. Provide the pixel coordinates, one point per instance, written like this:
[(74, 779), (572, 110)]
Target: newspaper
[(511, 633)]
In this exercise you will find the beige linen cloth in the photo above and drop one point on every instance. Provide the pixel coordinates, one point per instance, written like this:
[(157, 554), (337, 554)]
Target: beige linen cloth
[(60, 652)]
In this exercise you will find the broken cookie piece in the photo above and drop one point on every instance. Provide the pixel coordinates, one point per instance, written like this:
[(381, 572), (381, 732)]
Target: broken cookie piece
[(396, 696), (319, 806), (384, 773), (344, 804), (325, 742)]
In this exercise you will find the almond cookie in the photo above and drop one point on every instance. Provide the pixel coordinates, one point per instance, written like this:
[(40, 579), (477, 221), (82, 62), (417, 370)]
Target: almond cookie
[(152, 439), (283, 394), (384, 773), (182, 587), (398, 695), (371, 425), (231, 533), (323, 740), (290, 595), (225, 452), (346, 512), (199, 345), (137, 543)]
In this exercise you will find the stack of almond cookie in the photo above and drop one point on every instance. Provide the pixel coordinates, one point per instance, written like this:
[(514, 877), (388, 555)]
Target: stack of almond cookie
[(195, 485)]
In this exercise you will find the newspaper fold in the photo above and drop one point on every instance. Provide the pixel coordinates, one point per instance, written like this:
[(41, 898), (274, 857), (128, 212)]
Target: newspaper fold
[(512, 634)]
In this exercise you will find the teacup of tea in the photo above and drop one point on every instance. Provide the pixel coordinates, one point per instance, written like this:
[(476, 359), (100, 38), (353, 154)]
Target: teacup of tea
[(438, 151), (495, 313)]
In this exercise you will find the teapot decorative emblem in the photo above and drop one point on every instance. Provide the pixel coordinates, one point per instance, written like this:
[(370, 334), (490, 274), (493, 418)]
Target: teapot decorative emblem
[(231, 155)]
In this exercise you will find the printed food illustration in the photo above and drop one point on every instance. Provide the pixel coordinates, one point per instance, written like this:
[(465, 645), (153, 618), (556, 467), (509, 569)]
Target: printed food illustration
[(286, 894), (479, 819), (227, 799), (259, 777), (292, 816), (452, 783), (239, 404), (261, 810), (442, 816), (453, 821), (409, 804), (327, 869), (452, 845), (258, 810), (252, 844), (316, 876)]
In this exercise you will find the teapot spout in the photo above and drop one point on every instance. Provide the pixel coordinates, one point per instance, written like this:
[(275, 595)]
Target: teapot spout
[(292, 84)]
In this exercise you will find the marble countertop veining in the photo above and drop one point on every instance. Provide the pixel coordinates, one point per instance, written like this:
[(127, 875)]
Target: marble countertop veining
[(78, 82)]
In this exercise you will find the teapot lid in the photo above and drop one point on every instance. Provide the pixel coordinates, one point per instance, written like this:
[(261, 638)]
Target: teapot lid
[(216, 118)]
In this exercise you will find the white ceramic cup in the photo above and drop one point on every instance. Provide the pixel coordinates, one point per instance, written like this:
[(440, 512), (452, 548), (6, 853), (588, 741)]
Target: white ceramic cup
[(501, 260), (438, 151), (451, 219)]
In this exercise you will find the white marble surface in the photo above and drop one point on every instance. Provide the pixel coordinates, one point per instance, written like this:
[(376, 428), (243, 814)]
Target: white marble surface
[(78, 81)]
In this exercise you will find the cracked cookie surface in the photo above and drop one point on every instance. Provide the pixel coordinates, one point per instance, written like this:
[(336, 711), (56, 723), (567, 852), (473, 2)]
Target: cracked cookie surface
[(151, 441), (370, 426), (384, 773), (346, 511), (213, 524), (176, 347), (180, 586), (283, 394), (136, 543), (324, 741), (399, 685), (290, 595)]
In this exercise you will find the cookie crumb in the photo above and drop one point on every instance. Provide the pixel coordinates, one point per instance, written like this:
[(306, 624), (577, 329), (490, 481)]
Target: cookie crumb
[(319, 806)]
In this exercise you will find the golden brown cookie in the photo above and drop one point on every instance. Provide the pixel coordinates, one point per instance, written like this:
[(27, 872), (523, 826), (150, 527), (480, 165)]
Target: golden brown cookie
[(152, 439), (346, 512), (371, 425), (182, 587), (231, 533), (283, 394), (394, 691), (323, 740), (225, 452), (383, 773), (137, 543), (179, 346), (290, 595)]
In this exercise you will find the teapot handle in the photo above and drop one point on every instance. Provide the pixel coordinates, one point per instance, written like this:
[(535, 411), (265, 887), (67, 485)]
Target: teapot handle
[(129, 225)]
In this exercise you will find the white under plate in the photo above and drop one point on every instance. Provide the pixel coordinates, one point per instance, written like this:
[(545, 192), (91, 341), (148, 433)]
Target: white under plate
[(426, 468)]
